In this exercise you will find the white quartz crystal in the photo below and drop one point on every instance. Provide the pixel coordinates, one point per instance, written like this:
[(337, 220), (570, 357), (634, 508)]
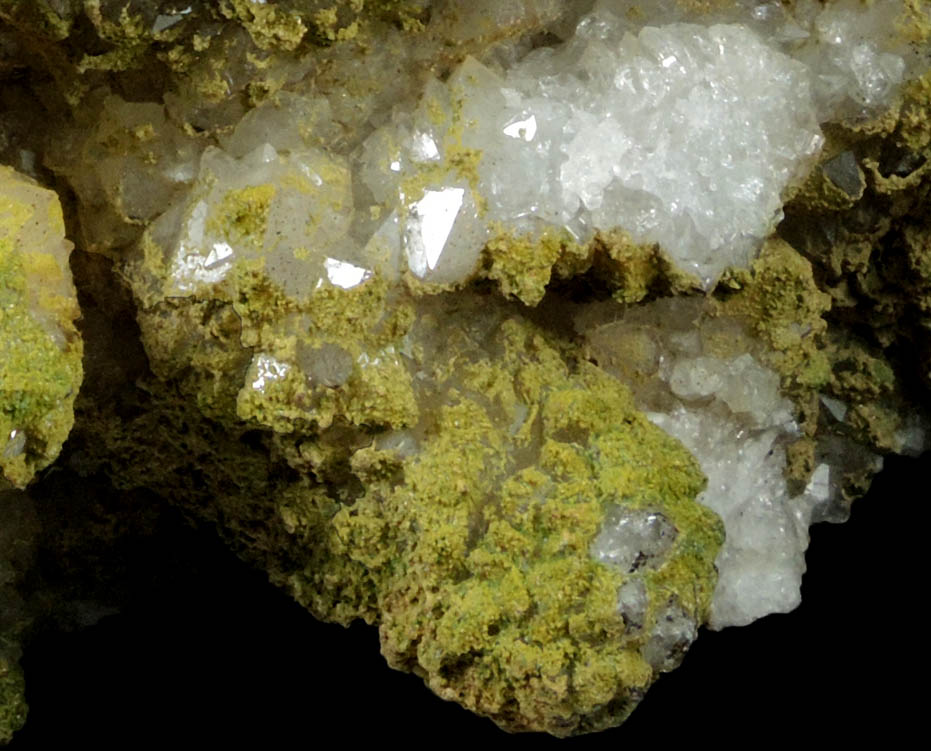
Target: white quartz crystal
[(729, 412), (761, 564), (683, 127), (265, 370), (684, 135), (672, 635), (292, 211)]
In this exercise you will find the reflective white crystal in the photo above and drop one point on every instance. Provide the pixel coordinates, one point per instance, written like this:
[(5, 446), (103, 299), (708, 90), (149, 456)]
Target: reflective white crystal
[(293, 211), (684, 135), (429, 227), (836, 407), (685, 128), (267, 369), (15, 445), (762, 561), (632, 601), (345, 275), (442, 235), (167, 20)]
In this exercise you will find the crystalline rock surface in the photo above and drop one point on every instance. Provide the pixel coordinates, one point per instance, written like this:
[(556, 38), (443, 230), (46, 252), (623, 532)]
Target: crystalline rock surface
[(518, 485)]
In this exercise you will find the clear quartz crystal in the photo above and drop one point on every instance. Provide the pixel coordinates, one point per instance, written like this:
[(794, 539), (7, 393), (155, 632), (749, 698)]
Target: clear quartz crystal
[(15, 445), (671, 637), (632, 601), (633, 539)]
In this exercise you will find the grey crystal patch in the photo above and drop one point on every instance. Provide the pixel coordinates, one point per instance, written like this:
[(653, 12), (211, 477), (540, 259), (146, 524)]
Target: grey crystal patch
[(632, 601), (843, 171), (672, 635), (15, 445), (328, 365), (630, 540)]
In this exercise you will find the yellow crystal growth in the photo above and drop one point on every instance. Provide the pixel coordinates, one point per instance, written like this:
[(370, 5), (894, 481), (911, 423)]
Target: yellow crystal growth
[(40, 349)]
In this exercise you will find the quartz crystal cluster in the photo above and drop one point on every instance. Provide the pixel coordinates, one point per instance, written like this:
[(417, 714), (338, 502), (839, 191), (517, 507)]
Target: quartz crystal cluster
[(685, 135), (504, 326), (700, 383), (610, 129)]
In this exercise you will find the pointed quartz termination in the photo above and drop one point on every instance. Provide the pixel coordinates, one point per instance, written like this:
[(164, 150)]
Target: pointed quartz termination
[(683, 135), (443, 235), (288, 213)]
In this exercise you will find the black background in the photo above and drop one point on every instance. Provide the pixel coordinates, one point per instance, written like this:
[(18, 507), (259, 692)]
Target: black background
[(214, 654)]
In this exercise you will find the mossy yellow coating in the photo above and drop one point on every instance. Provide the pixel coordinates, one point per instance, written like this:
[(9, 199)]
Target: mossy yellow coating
[(482, 568), (800, 463), (218, 330), (634, 270), (522, 265), (126, 33), (870, 254), (916, 114), (914, 22), (819, 193), (472, 554), (196, 55), (12, 699), (365, 322), (51, 22), (268, 25), (784, 307), (243, 213), (917, 242), (40, 350), (863, 378)]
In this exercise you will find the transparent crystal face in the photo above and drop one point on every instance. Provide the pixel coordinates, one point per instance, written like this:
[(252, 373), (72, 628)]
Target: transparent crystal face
[(429, 227)]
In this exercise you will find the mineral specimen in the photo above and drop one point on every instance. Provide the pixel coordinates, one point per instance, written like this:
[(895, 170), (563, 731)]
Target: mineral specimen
[(40, 350), (535, 333)]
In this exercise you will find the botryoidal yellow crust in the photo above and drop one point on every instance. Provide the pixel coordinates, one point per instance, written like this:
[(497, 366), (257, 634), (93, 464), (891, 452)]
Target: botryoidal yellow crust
[(40, 350)]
